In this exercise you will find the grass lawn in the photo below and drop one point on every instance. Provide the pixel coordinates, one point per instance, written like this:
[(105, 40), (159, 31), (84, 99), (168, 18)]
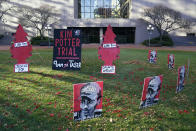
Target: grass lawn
[(43, 98)]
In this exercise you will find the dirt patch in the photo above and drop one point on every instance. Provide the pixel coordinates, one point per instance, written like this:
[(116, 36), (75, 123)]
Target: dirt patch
[(136, 62)]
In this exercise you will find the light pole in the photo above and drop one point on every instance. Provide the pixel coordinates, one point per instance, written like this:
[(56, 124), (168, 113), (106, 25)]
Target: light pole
[(150, 29), (48, 27)]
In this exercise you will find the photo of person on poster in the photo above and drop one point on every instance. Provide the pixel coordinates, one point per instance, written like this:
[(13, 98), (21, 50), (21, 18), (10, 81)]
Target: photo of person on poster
[(90, 96), (151, 91), (153, 56), (181, 78), (170, 61)]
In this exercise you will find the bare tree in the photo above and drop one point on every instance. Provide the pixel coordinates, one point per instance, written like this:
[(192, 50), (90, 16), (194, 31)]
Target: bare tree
[(38, 18), (166, 19), (4, 8)]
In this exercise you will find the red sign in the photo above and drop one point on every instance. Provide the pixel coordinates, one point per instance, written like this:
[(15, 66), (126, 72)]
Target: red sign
[(87, 100), (181, 78), (21, 50), (152, 56), (170, 60), (151, 91), (109, 51)]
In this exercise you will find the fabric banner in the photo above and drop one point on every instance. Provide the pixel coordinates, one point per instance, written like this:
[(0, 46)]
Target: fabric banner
[(67, 49), (181, 78), (87, 100), (151, 91), (152, 56)]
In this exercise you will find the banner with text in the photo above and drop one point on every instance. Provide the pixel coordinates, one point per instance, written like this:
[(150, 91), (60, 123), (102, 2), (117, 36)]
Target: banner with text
[(67, 49)]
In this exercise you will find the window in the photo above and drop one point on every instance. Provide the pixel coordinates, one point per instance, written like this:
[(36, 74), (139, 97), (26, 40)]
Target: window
[(103, 9)]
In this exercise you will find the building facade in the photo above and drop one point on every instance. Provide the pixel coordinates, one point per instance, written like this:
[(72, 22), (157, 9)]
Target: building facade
[(93, 16)]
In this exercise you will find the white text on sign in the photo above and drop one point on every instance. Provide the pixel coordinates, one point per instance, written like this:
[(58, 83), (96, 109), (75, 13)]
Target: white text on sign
[(20, 44), (21, 67)]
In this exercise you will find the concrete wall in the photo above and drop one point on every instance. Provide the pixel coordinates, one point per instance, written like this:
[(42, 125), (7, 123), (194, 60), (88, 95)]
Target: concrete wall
[(67, 11)]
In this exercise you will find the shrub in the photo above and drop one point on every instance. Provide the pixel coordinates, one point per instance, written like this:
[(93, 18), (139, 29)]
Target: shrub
[(1, 36), (166, 41), (38, 41)]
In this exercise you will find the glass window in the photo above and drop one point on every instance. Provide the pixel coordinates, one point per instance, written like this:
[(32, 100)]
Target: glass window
[(87, 3), (102, 9)]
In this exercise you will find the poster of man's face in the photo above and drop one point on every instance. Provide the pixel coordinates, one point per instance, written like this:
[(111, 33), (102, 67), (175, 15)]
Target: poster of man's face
[(151, 91), (170, 61), (88, 100), (181, 78), (152, 56)]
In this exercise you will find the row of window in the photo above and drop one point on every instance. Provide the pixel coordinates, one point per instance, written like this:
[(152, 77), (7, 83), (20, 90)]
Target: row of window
[(102, 9), (91, 34)]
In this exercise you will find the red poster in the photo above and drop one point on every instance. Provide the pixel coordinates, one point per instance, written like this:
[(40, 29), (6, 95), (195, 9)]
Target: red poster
[(152, 56), (151, 91), (21, 50), (109, 51), (170, 60), (87, 100), (181, 78)]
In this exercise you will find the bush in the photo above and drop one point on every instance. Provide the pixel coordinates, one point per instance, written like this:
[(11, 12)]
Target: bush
[(1, 36), (166, 41), (43, 42)]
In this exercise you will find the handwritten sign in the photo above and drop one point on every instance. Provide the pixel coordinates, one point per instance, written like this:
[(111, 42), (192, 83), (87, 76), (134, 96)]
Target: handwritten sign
[(20, 44), (108, 69), (21, 68), (113, 45), (67, 50)]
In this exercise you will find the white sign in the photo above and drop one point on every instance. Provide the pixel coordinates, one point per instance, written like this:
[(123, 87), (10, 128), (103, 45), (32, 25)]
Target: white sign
[(20, 44), (108, 69), (110, 45), (21, 67)]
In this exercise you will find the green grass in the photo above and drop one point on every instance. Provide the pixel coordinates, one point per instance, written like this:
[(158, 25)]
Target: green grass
[(27, 100)]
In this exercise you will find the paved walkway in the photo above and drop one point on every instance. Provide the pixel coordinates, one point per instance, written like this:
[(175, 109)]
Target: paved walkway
[(182, 48)]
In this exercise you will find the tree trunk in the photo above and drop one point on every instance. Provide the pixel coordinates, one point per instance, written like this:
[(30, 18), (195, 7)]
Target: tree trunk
[(41, 34)]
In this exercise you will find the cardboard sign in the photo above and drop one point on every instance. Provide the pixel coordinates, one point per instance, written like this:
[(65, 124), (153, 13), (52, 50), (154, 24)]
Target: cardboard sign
[(109, 51), (170, 60), (108, 69), (181, 78), (87, 100), (21, 68), (67, 50), (151, 91), (21, 50), (152, 56)]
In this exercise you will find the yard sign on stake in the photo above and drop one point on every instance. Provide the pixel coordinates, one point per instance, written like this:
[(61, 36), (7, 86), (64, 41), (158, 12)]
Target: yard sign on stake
[(67, 50), (21, 50), (109, 51)]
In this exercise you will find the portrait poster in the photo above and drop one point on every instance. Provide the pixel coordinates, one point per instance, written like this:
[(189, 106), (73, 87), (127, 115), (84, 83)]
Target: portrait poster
[(181, 78), (151, 91), (152, 56), (67, 49), (87, 100), (171, 61)]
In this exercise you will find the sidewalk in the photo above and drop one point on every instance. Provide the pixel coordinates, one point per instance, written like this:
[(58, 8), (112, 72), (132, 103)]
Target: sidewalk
[(180, 48)]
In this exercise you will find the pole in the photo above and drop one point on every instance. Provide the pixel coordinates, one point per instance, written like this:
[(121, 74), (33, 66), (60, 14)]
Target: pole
[(48, 39), (149, 39)]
